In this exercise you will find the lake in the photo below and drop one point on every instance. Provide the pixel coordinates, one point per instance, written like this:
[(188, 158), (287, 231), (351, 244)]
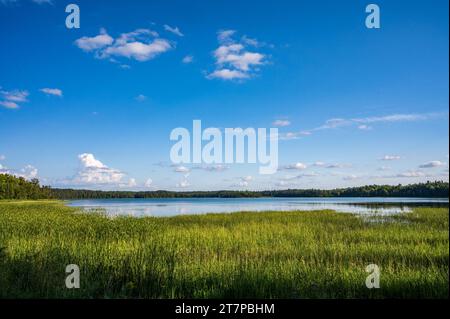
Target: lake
[(188, 206)]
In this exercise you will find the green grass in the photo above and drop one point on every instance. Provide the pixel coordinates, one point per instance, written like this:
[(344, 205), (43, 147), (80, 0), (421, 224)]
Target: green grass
[(320, 254)]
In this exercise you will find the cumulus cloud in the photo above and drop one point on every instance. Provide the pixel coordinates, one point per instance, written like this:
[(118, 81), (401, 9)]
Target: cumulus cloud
[(138, 50), (184, 182), (94, 43), (173, 30), (28, 172), (432, 164), (227, 74), (93, 172), (244, 181), (49, 91), (140, 45), (233, 59), (148, 183)]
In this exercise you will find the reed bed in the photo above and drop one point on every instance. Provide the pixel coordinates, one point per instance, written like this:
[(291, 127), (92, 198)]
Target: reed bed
[(317, 254)]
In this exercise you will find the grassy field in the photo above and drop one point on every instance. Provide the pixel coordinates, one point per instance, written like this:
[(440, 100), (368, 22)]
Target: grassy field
[(319, 254)]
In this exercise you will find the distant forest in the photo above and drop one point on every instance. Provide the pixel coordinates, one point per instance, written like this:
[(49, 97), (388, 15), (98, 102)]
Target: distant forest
[(12, 187)]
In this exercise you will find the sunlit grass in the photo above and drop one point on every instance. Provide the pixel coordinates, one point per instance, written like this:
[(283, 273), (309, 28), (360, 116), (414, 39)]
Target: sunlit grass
[(320, 254)]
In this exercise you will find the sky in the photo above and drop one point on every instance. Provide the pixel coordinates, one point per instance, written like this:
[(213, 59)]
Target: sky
[(94, 107)]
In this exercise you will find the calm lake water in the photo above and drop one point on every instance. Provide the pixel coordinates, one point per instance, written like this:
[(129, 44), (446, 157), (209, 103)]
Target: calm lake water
[(187, 206)]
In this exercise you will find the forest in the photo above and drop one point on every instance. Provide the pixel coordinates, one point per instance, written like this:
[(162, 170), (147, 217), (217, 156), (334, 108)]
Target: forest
[(12, 187)]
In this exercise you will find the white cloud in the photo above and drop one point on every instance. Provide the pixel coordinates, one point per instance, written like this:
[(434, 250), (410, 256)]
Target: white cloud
[(350, 177), (94, 43), (319, 164), (2, 157), (188, 59), (226, 74), (181, 169), (250, 41), (293, 135), (364, 127), (93, 172), (281, 123), (140, 98), (411, 174), (234, 55), (432, 164), (15, 95), (9, 104), (390, 158), (11, 99), (233, 60), (299, 176), (89, 161), (174, 30), (49, 91), (337, 165), (184, 182), (395, 118), (138, 50), (225, 35), (244, 181), (140, 45), (142, 35), (28, 172), (148, 183), (213, 168), (131, 183), (298, 166), (362, 123)]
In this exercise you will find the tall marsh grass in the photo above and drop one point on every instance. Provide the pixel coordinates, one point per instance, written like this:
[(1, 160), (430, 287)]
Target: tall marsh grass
[(320, 254)]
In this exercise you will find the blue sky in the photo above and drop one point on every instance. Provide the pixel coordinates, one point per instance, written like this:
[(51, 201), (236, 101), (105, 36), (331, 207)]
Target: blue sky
[(83, 108)]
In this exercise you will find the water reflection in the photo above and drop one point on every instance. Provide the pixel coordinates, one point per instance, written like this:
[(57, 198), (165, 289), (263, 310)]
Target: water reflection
[(176, 206)]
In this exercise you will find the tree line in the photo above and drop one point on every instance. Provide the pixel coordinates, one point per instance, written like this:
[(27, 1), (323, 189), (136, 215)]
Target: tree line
[(12, 187)]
